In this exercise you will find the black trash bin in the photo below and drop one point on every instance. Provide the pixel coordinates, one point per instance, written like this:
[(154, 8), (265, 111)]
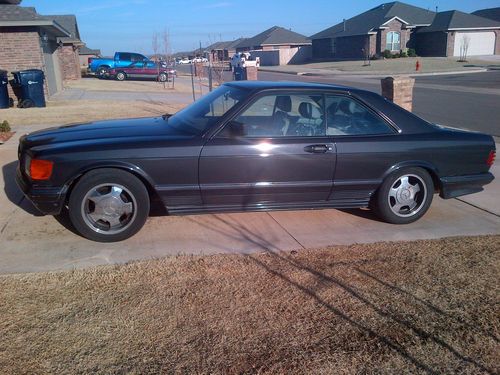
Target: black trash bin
[(30, 83), (4, 94)]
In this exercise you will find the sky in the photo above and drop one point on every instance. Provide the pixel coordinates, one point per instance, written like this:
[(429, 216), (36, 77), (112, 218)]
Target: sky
[(129, 25)]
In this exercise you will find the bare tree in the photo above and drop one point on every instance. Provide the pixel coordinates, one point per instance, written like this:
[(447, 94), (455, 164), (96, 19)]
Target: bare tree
[(155, 44), (464, 47)]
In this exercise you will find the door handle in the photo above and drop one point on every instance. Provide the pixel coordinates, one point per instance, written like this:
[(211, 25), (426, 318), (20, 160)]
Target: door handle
[(318, 149)]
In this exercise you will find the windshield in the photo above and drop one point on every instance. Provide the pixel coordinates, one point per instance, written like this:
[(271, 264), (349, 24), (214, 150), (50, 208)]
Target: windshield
[(206, 111)]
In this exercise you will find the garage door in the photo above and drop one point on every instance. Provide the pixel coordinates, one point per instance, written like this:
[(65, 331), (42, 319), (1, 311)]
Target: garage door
[(480, 43)]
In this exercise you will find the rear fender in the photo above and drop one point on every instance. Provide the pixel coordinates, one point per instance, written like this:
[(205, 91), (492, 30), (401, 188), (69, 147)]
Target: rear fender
[(430, 168)]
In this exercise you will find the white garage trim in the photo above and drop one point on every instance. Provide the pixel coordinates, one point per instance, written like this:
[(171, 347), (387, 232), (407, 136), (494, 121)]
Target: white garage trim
[(479, 43)]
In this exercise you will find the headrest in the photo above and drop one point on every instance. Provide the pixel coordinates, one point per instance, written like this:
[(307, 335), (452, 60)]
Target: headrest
[(305, 110), (345, 106), (284, 103)]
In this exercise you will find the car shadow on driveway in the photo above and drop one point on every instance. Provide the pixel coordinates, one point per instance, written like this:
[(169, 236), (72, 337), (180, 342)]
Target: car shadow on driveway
[(12, 191)]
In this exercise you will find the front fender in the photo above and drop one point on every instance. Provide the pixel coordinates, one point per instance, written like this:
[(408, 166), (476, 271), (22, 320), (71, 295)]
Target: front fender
[(134, 169)]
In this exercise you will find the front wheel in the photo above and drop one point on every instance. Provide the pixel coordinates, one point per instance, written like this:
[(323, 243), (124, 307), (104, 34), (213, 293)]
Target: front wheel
[(108, 205), (404, 196), (120, 76)]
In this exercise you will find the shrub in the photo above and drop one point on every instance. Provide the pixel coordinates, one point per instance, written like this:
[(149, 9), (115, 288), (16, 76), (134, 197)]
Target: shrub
[(4, 127), (403, 54), (412, 53), (387, 54)]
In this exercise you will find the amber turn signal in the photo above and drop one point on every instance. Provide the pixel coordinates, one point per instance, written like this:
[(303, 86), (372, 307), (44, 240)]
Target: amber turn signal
[(41, 169)]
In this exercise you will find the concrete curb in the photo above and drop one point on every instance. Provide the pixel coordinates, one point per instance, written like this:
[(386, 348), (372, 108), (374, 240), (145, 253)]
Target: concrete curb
[(371, 75)]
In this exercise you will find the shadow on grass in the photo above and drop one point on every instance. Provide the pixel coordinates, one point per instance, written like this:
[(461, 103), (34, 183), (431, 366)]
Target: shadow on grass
[(240, 232)]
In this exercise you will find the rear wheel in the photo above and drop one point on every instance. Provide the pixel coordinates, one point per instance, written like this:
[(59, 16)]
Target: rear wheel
[(102, 71), (163, 77), (108, 205), (404, 196), (120, 76)]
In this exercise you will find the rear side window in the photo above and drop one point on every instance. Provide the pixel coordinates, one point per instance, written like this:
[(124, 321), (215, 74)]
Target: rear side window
[(125, 56), (346, 116)]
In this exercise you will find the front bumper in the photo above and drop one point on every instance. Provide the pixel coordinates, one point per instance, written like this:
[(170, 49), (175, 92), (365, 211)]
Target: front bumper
[(47, 199), (456, 186)]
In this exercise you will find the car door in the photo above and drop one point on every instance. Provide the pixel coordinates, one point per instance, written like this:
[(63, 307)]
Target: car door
[(150, 70), (365, 148), (134, 69), (274, 152)]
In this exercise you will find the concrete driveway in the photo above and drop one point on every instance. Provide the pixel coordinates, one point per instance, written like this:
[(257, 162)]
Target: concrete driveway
[(32, 243)]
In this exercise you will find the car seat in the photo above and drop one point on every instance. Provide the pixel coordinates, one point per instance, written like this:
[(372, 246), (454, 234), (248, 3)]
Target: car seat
[(281, 119)]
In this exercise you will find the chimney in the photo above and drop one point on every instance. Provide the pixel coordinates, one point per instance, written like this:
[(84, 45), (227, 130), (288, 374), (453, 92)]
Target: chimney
[(344, 24)]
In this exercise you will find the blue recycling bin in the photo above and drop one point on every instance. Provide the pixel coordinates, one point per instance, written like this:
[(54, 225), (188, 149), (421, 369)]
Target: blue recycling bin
[(239, 73), (30, 84), (4, 93)]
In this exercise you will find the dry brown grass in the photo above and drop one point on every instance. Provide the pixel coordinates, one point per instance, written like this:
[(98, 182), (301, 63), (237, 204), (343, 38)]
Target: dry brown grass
[(181, 85), (60, 112), (407, 307)]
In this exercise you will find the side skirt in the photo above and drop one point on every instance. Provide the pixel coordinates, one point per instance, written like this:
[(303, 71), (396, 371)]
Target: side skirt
[(339, 203)]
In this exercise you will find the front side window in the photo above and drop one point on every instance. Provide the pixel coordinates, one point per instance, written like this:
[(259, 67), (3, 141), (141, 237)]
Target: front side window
[(207, 111), (137, 57), (282, 115), (346, 116), (393, 42)]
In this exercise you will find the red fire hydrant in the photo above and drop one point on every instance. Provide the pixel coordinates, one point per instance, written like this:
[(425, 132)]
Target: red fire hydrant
[(417, 66)]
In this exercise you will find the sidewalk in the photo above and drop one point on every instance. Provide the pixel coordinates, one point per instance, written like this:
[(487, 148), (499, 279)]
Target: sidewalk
[(428, 66)]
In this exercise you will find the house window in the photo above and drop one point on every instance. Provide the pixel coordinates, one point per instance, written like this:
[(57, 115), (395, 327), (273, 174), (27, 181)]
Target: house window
[(393, 41), (332, 46)]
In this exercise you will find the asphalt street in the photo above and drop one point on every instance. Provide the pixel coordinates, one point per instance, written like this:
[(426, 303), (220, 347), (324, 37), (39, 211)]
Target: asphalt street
[(468, 101)]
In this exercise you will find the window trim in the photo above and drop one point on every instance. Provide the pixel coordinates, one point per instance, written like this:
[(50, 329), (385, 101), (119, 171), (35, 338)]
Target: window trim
[(392, 33), (393, 128), (252, 97)]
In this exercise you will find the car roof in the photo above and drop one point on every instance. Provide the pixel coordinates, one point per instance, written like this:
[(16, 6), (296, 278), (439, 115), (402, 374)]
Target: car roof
[(269, 85)]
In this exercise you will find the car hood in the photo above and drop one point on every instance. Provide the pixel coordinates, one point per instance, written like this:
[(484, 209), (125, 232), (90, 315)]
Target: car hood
[(99, 130)]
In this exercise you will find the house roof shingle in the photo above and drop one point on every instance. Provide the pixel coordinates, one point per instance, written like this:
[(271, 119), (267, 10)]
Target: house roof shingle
[(231, 44), (275, 35), (491, 13), (88, 51), (68, 21), (374, 18), (14, 15), (454, 19)]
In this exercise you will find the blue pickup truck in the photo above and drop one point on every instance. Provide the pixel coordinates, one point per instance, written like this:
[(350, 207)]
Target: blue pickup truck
[(121, 59)]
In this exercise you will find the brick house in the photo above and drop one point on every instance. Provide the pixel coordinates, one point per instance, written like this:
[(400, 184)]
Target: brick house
[(451, 30), (277, 46), (68, 47), (29, 40), (397, 27), (223, 51), (85, 53)]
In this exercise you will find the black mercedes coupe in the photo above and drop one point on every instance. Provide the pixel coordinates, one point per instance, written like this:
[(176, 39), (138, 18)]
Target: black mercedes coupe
[(251, 146)]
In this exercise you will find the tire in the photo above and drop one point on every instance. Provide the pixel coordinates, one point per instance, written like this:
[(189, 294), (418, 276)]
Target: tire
[(120, 76), (102, 71), (404, 196), (163, 77), (108, 205)]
